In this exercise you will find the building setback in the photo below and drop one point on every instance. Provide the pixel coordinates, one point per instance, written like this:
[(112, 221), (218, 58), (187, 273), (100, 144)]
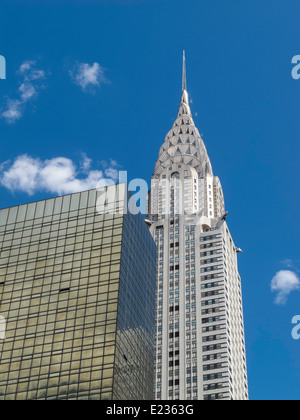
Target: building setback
[(200, 345), (77, 292)]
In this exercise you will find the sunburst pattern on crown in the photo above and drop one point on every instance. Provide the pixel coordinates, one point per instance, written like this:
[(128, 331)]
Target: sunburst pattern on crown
[(183, 143)]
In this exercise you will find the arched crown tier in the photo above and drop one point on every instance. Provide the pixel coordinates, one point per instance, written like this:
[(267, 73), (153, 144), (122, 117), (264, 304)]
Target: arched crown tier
[(183, 143)]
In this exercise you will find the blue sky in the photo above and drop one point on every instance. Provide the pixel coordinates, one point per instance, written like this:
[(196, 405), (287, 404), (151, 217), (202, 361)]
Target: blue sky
[(94, 86)]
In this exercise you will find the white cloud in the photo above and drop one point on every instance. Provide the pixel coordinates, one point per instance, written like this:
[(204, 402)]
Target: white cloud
[(112, 173), (86, 162), (288, 263), (284, 283), (88, 76), (22, 175), (58, 176), (30, 72), (26, 65), (111, 169), (13, 111), (27, 91)]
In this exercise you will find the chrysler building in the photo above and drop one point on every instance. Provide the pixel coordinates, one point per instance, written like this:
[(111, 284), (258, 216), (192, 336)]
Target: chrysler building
[(200, 343)]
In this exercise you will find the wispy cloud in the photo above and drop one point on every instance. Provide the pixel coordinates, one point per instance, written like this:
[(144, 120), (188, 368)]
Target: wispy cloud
[(27, 91), (86, 162), (29, 87), (59, 175), (88, 77), (284, 283), (13, 111), (288, 263)]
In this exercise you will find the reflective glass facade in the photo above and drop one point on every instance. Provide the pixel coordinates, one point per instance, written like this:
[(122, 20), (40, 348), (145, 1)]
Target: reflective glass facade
[(77, 291)]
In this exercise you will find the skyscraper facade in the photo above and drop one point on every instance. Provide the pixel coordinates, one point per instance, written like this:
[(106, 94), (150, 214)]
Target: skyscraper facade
[(77, 293), (200, 344)]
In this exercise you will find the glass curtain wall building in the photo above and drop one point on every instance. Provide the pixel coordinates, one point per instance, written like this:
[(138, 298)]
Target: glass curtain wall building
[(77, 293)]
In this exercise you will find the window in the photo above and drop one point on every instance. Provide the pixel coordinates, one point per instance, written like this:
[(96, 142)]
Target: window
[(175, 175)]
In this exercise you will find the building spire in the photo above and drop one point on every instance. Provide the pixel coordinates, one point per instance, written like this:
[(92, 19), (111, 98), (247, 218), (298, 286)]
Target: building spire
[(184, 85), (184, 95)]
